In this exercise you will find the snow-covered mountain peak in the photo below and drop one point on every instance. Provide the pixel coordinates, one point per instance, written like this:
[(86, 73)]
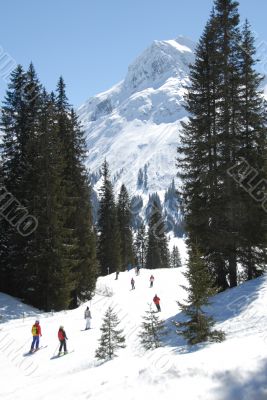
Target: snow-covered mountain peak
[(161, 69), (135, 124), (160, 61)]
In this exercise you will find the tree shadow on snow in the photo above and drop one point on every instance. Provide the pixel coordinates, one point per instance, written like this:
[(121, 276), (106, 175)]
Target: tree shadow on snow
[(233, 386), (233, 302), (224, 306)]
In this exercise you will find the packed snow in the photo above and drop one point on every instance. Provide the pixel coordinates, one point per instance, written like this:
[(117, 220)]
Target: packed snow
[(232, 370)]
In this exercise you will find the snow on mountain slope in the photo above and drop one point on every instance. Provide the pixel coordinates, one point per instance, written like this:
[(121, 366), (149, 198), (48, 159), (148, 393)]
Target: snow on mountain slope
[(232, 370), (135, 125)]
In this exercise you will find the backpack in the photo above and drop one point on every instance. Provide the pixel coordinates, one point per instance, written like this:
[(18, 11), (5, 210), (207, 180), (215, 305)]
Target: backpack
[(34, 330)]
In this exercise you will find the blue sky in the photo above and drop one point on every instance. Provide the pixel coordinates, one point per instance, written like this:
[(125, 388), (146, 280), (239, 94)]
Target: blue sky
[(91, 43)]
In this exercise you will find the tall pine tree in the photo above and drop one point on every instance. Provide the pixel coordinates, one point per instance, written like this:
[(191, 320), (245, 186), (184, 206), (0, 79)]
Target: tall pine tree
[(253, 122), (109, 254), (198, 327), (226, 116), (175, 259), (157, 247), (140, 245), (124, 221)]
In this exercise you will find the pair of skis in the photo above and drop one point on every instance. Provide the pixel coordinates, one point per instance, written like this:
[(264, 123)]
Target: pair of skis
[(31, 352), (61, 355)]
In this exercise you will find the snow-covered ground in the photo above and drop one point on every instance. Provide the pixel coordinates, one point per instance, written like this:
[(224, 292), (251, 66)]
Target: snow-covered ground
[(233, 370)]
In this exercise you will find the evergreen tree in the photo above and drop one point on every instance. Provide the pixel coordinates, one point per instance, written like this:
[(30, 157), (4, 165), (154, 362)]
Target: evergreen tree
[(253, 149), (198, 164), (145, 177), (18, 121), (198, 328), (140, 245), (51, 277), (80, 246), (216, 212), (124, 221), (108, 230), (228, 126), (175, 258), (152, 331), (11, 172), (29, 184), (140, 179), (112, 338), (157, 248), (43, 153), (136, 208), (86, 269), (13, 124), (153, 198)]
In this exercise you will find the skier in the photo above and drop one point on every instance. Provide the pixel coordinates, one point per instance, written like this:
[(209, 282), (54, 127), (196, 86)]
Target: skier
[(132, 283), (151, 280), (88, 317), (117, 275), (62, 336), (156, 300), (36, 333)]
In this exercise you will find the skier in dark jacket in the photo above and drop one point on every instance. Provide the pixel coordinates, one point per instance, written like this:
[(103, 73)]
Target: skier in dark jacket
[(62, 337), (132, 283)]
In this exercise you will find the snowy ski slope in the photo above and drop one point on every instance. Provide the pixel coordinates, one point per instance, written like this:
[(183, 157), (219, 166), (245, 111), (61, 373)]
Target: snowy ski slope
[(233, 370)]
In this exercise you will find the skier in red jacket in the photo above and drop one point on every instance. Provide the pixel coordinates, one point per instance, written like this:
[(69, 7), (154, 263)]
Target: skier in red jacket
[(62, 337), (156, 300)]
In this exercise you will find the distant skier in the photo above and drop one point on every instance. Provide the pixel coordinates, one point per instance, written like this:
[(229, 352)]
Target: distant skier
[(132, 283), (88, 317), (62, 337), (138, 269), (117, 275), (151, 280), (156, 300), (36, 333)]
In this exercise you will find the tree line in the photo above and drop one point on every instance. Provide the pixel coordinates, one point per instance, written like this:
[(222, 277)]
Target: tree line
[(43, 174), (42, 166), (118, 248)]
